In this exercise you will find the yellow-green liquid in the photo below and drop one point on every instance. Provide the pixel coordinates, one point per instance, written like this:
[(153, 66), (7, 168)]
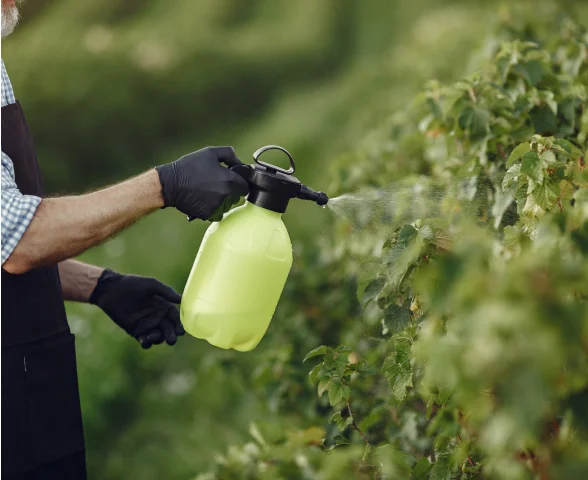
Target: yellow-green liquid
[(237, 278)]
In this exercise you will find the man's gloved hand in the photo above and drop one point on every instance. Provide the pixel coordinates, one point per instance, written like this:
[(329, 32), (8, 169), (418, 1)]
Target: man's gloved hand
[(199, 186), (144, 307)]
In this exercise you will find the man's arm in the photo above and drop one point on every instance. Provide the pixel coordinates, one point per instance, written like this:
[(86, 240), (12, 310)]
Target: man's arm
[(78, 280), (61, 228), (65, 227)]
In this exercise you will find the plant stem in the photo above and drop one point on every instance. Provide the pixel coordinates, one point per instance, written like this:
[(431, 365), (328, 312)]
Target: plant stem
[(354, 425), (472, 463)]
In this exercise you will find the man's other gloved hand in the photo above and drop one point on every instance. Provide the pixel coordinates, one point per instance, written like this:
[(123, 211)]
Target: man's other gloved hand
[(144, 307), (199, 186)]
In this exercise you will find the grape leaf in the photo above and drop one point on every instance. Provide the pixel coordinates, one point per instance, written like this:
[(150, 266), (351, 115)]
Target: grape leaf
[(397, 368), (396, 319), (546, 194), (543, 119), (421, 469), (532, 71), (512, 175), (548, 157), (323, 385), (338, 391), (442, 468), (532, 166), (342, 423), (313, 375), (475, 121), (368, 452), (502, 201), (372, 291), (569, 147), (322, 350), (517, 153), (521, 195)]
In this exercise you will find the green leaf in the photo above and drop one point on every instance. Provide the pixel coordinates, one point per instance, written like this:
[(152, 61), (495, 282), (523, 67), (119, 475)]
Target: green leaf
[(256, 434), (313, 375), (338, 391), (532, 166), (442, 468), (475, 121), (548, 157), (343, 349), (369, 273), (531, 209), (372, 291), (569, 147), (532, 71), (369, 452), (567, 110), (323, 385), (397, 368), (512, 175), (512, 236), (342, 423), (502, 200), (435, 108), (548, 98), (337, 363), (407, 233), (340, 440), (421, 469), (544, 120), (503, 65), (521, 195), (395, 319), (580, 238), (322, 350), (517, 153), (546, 194), (402, 255), (427, 233), (523, 132)]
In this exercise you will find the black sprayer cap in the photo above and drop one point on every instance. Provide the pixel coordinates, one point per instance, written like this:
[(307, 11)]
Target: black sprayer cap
[(272, 187)]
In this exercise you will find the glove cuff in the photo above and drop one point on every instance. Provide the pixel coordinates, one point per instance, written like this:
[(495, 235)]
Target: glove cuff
[(104, 278), (167, 175)]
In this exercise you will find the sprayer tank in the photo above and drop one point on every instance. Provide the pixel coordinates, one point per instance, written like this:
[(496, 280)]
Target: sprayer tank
[(237, 278), (244, 260)]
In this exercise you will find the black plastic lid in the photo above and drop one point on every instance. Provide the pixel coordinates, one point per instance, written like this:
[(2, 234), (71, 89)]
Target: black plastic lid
[(270, 187)]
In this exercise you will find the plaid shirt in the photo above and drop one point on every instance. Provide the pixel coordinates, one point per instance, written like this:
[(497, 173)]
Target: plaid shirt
[(17, 209)]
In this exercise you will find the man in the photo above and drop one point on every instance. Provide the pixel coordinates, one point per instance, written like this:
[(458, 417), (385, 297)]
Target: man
[(42, 435)]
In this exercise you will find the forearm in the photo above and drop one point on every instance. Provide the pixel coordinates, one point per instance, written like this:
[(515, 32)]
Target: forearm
[(64, 227), (78, 280)]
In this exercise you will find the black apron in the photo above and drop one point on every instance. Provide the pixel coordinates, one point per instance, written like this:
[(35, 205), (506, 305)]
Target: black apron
[(41, 414)]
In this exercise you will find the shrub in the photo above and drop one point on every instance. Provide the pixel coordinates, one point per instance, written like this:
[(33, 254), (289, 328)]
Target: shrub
[(466, 354)]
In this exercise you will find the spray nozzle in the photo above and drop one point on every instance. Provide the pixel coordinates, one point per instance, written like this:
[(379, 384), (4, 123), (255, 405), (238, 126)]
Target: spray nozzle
[(307, 193), (272, 187)]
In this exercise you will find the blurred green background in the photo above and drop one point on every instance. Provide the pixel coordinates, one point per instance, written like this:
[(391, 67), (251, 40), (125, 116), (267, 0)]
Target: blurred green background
[(114, 87)]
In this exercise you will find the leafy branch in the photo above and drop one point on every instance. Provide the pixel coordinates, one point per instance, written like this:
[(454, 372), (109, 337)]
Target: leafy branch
[(354, 423)]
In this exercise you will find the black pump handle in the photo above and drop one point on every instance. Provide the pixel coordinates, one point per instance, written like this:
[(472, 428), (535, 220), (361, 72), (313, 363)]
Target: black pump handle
[(271, 167)]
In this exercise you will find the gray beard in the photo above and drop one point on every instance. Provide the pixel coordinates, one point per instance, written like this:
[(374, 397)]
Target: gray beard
[(9, 20)]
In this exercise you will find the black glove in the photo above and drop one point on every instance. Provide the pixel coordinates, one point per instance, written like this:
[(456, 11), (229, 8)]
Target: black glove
[(199, 186), (142, 306)]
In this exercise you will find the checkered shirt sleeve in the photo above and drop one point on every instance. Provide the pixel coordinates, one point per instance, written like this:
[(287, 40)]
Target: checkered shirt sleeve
[(17, 209)]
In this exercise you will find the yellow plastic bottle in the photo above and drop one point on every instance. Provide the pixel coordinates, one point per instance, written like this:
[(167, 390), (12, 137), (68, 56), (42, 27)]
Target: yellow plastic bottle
[(244, 260)]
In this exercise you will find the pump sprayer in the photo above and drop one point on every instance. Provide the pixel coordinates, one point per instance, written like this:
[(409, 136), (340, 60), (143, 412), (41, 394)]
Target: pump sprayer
[(244, 260)]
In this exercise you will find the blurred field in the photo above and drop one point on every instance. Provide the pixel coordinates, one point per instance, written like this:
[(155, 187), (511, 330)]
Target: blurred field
[(114, 87)]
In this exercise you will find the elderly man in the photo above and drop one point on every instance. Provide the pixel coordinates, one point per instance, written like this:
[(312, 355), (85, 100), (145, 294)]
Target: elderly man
[(42, 435)]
